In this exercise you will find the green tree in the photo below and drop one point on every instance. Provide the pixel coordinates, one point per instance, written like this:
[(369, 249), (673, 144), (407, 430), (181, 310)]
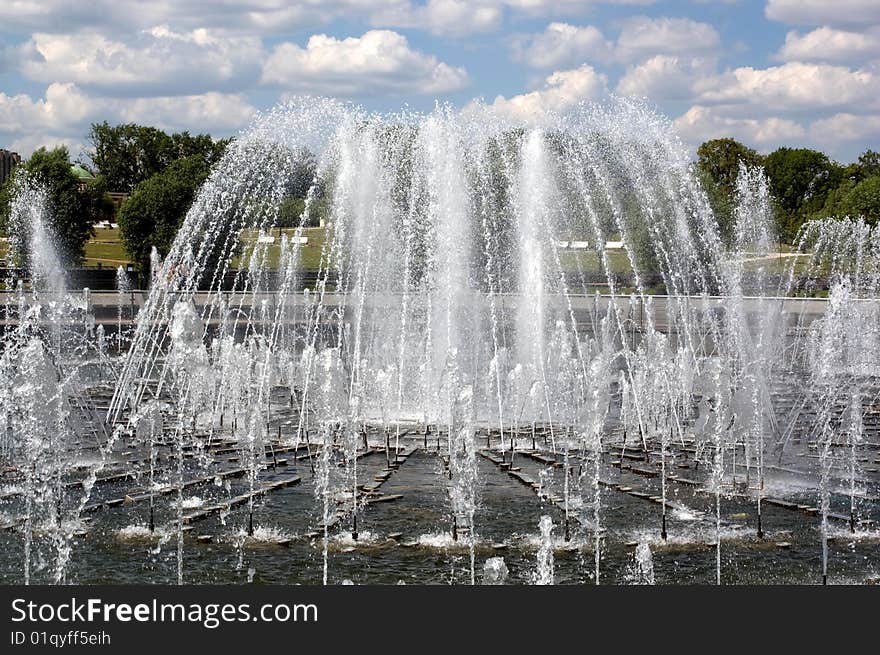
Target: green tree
[(869, 163), (718, 163), (300, 180), (864, 199), (74, 205), (291, 208), (154, 211), (854, 199), (800, 181), (129, 154)]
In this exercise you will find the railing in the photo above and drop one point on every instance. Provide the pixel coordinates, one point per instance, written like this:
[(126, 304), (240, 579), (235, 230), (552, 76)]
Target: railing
[(112, 307)]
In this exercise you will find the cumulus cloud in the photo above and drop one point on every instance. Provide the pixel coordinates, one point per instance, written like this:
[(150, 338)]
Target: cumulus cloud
[(665, 77), (561, 91), (64, 113), (162, 62), (562, 44), (155, 62), (640, 38), (262, 16), (459, 17), (561, 7), (26, 144), (794, 86), (643, 37), (62, 106), (206, 112), (701, 123), (846, 127), (802, 101), (380, 61), (106, 59), (116, 15), (823, 12), (831, 45), (455, 17)]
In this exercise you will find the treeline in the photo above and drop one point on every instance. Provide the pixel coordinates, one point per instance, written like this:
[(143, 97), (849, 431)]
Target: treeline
[(162, 173), (159, 173), (805, 184)]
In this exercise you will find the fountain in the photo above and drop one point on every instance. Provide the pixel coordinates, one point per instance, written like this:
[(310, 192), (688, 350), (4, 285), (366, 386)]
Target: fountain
[(544, 573), (509, 326), (642, 570), (494, 571)]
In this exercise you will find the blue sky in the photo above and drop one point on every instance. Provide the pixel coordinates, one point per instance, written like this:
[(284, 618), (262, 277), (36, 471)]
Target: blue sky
[(768, 72)]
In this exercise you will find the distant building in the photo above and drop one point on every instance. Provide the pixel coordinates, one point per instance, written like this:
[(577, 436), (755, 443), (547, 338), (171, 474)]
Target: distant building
[(84, 176), (8, 161)]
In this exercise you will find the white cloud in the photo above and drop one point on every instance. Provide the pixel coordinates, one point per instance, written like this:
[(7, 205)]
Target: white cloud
[(765, 106), (107, 59), (63, 16), (846, 127), (454, 17), (25, 145), (266, 16), (642, 37), (561, 91), (154, 62), (63, 105), (797, 103), (56, 15), (65, 112), (794, 86), (558, 7), (207, 112), (380, 61), (701, 123), (458, 17), (824, 12), (831, 45), (562, 44), (665, 77)]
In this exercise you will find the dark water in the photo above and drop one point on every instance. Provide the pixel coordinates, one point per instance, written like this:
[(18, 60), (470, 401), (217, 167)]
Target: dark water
[(506, 526)]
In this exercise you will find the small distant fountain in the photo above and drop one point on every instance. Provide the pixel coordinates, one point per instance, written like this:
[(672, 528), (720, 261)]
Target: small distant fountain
[(642, 568), (155, 265), (463, 472), (123, 289), (495, 571), (330, 390), (855, 434), (544, 574)]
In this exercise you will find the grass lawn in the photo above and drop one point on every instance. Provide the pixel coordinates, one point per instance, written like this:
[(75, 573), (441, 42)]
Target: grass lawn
[(779, 264), (588, 261), (310, 255), (105, 248)]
